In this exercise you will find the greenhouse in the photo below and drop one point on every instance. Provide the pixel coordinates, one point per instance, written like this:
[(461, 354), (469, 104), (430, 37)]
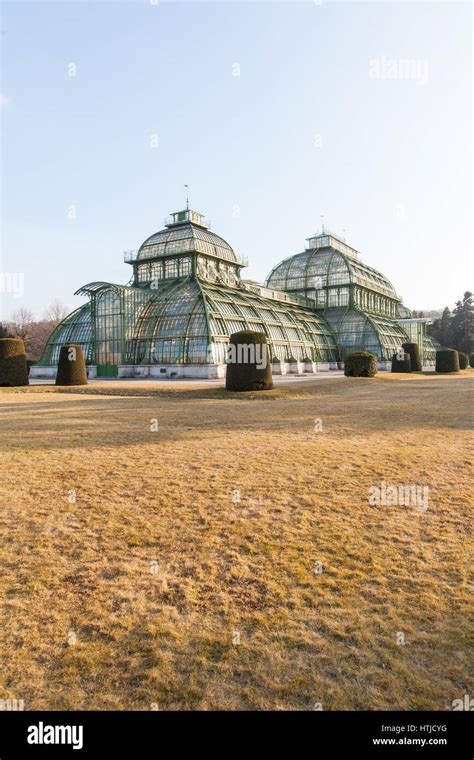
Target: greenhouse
[(186, 297), (359, 303)]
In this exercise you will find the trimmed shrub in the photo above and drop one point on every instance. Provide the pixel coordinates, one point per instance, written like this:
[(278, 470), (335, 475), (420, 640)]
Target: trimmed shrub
[(471, 361), (248, 365), (401, 365), (13, 369), (360, 364), (414, 351), (463, 360), (447, 360), (71, 366)]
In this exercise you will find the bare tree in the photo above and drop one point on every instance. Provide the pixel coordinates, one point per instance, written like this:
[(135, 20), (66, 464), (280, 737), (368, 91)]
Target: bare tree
[(56, 312), (22, 317), (21, 322), (35, 333)]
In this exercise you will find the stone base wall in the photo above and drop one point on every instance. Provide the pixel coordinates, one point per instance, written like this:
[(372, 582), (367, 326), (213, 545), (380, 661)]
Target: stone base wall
[(172, 371), (45, 372), (176, 371), (49, 373)]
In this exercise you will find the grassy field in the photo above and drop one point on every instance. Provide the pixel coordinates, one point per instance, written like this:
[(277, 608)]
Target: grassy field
[(231, 559)]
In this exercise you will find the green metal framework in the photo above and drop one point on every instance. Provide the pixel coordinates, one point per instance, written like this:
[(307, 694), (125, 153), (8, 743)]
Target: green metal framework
[(291, 330), (415, 329), (75, 328), (186, 298), (358, 302), (331, 278), (358, 331), (187, 322)]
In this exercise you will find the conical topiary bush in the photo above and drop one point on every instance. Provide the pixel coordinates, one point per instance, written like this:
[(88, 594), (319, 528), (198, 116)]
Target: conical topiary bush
[(248, 362), (414, 351), (13, 368), (463, 360), (71, 366)]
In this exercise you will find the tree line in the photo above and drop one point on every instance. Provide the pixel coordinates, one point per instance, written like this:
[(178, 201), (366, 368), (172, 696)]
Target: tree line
[(34, 332), (455, 329)]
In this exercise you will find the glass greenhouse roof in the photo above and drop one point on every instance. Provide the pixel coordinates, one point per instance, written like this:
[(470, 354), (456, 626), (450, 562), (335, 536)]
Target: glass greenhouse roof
[(185, 236), (319, 304), (186, 322), (325, 266)]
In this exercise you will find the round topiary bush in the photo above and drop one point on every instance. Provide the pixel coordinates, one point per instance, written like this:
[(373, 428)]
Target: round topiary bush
[(71, 366), (360, 364), (447, 360), (401, 364), (13, 368), (248, 362), (463, 360), (414, 351), (471, 361)]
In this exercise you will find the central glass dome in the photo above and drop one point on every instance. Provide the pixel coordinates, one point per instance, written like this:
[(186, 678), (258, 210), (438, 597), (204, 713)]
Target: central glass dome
[(186, 232)]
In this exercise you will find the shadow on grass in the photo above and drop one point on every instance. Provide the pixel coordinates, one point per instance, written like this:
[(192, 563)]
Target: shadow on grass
[(352, 407)]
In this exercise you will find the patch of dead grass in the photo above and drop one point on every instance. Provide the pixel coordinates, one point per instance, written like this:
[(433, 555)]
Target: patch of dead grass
[(157, 567)]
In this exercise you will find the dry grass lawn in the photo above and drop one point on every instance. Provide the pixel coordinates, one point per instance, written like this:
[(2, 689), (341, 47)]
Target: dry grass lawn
[(135, 595)]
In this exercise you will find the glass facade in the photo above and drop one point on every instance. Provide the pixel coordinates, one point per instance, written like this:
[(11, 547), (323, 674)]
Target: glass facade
[(182, 236), (357, 331), (359, 303), (76, 328), (108, 328), (186, 298), (292, 331), (172, 327), (318, 269)]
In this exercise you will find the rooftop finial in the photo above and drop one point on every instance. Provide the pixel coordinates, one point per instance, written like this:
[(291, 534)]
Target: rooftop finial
[(187, 197), (322, 222)]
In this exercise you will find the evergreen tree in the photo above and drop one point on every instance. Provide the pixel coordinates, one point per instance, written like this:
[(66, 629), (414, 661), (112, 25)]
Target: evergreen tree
[(440, 329), (462, 325)]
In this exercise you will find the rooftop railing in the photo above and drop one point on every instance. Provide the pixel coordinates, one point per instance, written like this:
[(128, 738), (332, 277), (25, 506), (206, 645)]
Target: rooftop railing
[(276, 295), (242, 260), (189, 216), (130, 256), (325, 240)]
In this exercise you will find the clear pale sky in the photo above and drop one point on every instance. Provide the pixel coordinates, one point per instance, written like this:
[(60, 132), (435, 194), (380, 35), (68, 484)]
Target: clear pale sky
[(315, 124)]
